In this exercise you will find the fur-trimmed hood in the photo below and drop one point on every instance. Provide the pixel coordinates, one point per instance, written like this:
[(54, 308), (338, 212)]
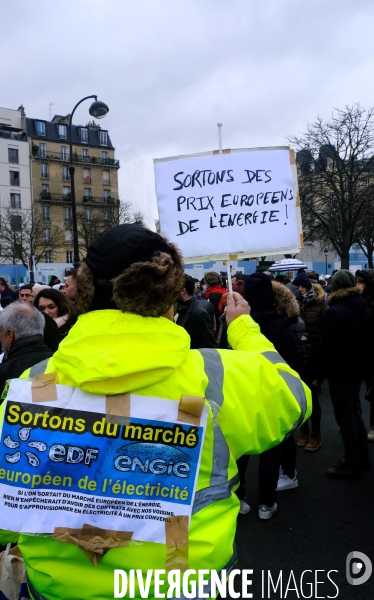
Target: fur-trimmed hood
[(286, 300), (343, 294), (320, 292)]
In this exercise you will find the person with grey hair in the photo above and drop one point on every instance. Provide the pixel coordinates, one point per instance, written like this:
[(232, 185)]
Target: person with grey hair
[(22, 340)]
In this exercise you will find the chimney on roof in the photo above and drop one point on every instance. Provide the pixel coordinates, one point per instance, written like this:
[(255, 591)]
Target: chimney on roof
[(93, 124), (22, 110)]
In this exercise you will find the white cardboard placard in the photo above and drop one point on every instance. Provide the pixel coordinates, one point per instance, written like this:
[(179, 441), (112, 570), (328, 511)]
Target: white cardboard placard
[(240, 203)]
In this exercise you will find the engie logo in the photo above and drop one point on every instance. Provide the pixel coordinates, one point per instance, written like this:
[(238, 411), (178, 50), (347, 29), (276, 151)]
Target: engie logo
[(358, 564)]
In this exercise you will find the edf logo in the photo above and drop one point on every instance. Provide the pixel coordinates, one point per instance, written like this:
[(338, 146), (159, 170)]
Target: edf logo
[(358, 564)]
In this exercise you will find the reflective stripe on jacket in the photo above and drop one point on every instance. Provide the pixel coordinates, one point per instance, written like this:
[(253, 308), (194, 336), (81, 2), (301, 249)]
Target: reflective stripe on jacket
[(255, 399)]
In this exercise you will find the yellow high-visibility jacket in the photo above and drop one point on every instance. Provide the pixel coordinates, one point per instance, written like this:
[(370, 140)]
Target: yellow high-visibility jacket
[(255, 399)]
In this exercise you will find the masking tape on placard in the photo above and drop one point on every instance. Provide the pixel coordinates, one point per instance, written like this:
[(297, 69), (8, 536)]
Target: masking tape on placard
[(301, 240), (190, 409), (93, 541), (43, 387), (225, 151), (233, 256), (297, 199), (118, 408), (292, 157), (176, 533)]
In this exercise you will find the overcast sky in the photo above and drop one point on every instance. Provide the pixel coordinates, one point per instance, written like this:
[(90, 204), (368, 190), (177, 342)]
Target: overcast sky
[(171, 69)]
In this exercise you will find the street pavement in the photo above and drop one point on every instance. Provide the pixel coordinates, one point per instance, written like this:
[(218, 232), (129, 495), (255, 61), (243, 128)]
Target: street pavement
[(317, 525)]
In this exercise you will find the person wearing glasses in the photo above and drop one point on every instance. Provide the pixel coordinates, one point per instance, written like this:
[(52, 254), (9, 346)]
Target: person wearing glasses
[(26, 294)]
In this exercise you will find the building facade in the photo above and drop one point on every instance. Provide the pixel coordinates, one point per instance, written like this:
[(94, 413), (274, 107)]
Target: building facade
[(96, 182), (15, 190)]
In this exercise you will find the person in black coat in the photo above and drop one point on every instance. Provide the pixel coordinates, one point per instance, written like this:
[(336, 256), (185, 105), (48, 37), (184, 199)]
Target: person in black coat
[(7, 295), (365, 281), (347, 333), (259, 293), (260, 296), (21, 337), (196, 317)]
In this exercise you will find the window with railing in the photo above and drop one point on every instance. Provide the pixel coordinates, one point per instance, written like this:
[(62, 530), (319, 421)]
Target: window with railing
[(84, 135), (69, 256), (104, 156), (40, 127), (65, 173), (48, 256), (47, 234), (68, 235), (88, 213), (15, 200), (103, 136), (46, 213), (67, 215), (106, 177), (14, 178), (87, 194), (66, 192), (62, 132), (85, 154), (13, 155), (87, 175), (44, 171), (64, 153), (43, 150), (106, 194), (45, 192)]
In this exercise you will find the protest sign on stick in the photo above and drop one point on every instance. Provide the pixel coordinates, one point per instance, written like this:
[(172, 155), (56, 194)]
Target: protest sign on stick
[(238, 204)]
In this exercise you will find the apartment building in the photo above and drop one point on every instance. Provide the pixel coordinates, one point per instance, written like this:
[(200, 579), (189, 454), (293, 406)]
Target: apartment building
[(96, 179), (15, 191)]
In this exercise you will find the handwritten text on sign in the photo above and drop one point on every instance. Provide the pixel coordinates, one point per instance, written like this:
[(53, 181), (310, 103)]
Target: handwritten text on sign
[(238, 202)]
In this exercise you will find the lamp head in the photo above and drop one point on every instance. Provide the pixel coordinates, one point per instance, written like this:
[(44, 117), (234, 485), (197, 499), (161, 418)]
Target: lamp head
[(98, 109)]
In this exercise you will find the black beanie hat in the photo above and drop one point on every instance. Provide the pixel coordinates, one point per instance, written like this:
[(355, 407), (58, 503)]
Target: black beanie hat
[(342, 279), (118, 248), (365, 276), (259, 292), (302, 279)]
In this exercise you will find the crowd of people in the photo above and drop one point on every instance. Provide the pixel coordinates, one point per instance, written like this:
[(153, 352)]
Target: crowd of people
[(34, 319), (126, 342), (257, 357), (322, 327)]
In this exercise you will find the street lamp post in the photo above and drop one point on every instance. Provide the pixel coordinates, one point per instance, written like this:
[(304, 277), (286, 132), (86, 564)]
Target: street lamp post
[(326, 253), (98, 110)]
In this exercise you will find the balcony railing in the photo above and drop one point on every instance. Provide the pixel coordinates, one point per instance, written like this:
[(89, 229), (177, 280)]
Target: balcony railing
[(54, 198), (100, 200), (90, 160), (66, 198)]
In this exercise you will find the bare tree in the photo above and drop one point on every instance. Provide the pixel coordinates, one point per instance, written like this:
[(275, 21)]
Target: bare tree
[(364, 234), (138, 218), (105, 218), (25, 232), (336, 183)]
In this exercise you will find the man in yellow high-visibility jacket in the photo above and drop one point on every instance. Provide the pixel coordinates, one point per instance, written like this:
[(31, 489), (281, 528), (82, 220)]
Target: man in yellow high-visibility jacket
[(123, 343)]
